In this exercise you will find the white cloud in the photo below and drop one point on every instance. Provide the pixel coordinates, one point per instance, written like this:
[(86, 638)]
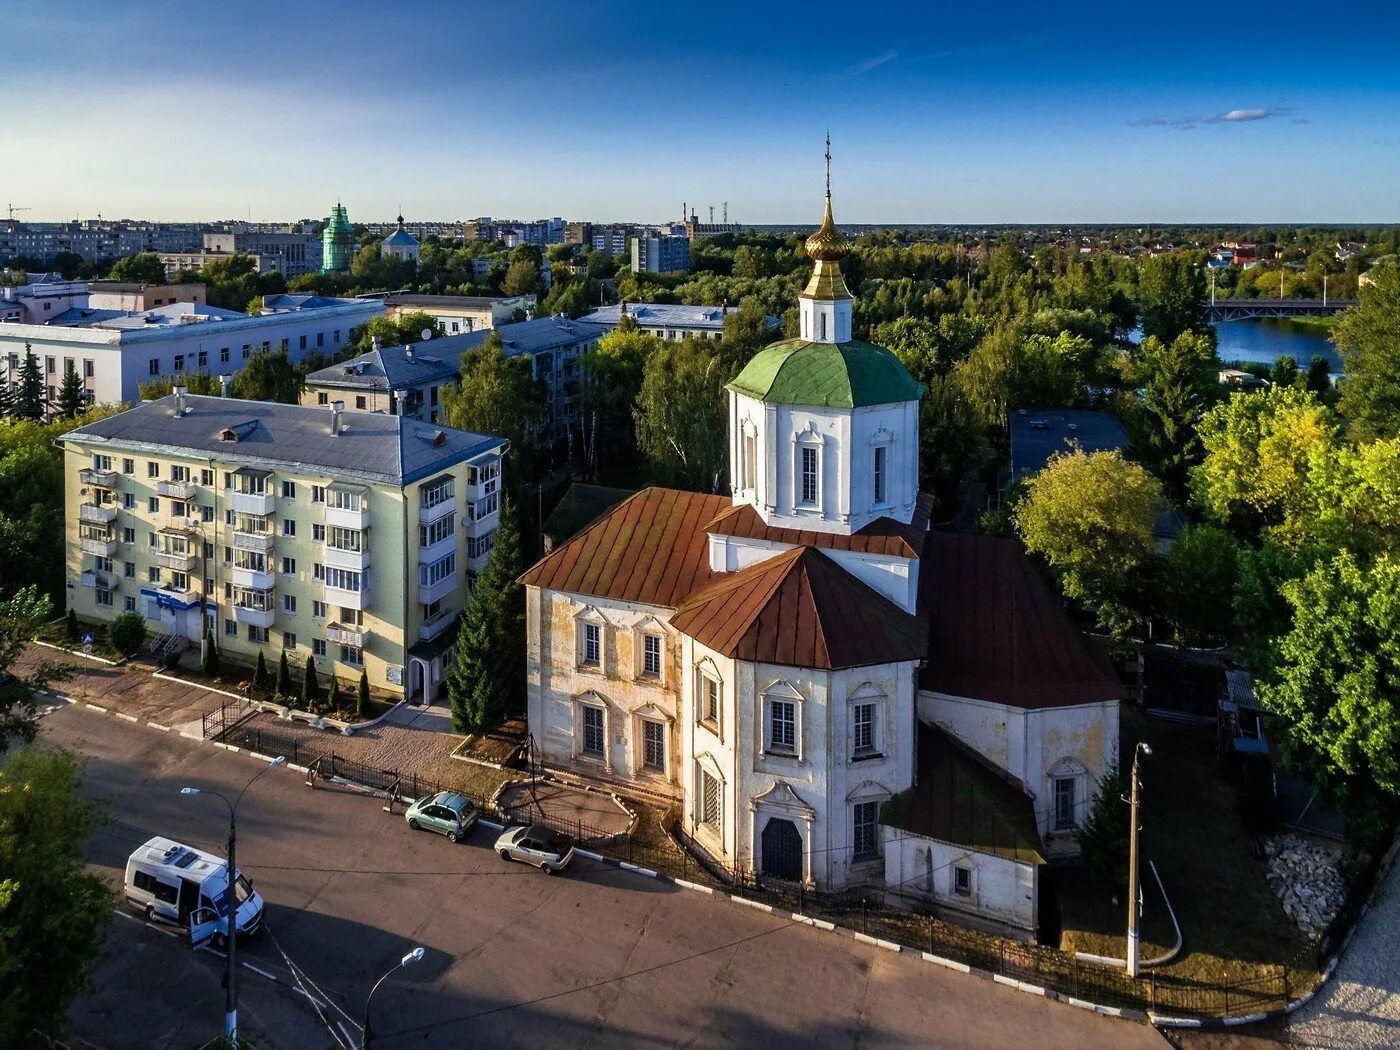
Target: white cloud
[(1232, 116), (874, 63)]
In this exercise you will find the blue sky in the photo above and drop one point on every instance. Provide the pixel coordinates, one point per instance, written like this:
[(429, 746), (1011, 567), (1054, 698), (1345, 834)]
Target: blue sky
[(939, 112)]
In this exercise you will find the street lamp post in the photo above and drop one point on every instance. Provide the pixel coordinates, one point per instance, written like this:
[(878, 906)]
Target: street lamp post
[(1133, 936), (231, 942), (407, 960)]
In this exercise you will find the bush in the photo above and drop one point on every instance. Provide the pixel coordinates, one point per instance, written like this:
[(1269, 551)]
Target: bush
[(310, 688), (1103, 837), (261, 678), (72, 625), (333, 694), (171, 660), (127, 633), (284, 677), (209, 665), (362, 700)]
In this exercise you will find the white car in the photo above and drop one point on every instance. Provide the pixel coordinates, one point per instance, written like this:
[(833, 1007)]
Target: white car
[(535, 845)]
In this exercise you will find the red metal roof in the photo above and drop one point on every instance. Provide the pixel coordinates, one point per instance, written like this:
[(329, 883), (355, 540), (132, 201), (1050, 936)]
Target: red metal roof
[(650, 548), (996, 632), (800, 609), (882, 536)]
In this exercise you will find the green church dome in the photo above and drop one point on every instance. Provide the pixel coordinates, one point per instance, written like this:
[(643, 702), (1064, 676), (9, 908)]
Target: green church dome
[(829, 375)]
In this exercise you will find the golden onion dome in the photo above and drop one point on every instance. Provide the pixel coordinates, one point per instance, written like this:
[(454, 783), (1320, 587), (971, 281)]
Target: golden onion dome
[(827, 244)]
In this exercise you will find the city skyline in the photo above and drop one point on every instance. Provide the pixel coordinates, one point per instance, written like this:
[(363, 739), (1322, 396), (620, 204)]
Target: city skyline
[(1074, 116)]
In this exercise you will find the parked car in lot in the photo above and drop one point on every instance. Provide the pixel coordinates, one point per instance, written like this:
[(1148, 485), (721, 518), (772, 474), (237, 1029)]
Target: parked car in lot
[(448, 813), (535, 845)]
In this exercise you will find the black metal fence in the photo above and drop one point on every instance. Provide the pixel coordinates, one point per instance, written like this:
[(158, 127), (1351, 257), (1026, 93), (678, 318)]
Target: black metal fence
[(1263, 990)]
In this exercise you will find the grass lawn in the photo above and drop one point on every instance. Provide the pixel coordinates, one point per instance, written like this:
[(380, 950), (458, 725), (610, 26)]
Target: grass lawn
[(1232, 924), (56, 633)]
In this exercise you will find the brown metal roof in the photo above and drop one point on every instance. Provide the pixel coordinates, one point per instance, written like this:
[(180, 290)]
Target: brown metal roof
[(882, 536), (650, 548), (800, 609), (996, 632)]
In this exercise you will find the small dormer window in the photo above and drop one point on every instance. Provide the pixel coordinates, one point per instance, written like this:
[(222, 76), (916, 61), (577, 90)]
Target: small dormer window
[(880, 476)]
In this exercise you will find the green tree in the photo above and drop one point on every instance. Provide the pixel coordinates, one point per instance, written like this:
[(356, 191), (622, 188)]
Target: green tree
[(1319, 375), (1336, 683), (21, 614), (1178, 382), (332, 693), (201, 383), (127, 632), (362, 708), (498, 395), (141, 268), (310, 687), (209, 662), (29, 400), (1171, 296), (952, 440), (394, 331), (262, 679), (681, 415), (71, 625), (1285, 372), (283, 688), (72, 395), (269, 375), (486, 681), (52, 909), (612, 381), (522, 278), (1103, 835), (1198, 584), (1091, 517), (1369, 338)]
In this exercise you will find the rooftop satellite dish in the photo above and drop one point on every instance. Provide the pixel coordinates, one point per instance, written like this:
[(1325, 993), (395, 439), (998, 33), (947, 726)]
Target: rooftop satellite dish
[(427, 333)]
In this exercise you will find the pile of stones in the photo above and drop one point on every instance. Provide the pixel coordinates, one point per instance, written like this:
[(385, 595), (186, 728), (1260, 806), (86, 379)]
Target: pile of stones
[(1307, 876)]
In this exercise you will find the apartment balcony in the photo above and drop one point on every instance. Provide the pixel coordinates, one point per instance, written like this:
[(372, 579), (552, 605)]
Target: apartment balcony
[(103, 479), (436, 551), (355, 561), (255, 617), (349, 599), (428, 515), (186, 562), (99, 547), (344, 518), (177, 489), (97, 514), (253, 579), (343, 634), (259, 503), (431, 628), (102, 581), (254, 541), (433, 592)]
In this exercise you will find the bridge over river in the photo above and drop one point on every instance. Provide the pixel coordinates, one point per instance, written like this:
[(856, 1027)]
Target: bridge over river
[(1239, 309)]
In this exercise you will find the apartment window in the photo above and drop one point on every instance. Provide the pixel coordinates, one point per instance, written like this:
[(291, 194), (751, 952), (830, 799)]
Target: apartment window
[(318, 494), (128, 467), (342, 579), (302, 345), (179, 473), (104, 597), (710, 813), (153, 504), (128, 500), (257, 634), (436, 572), (206, 477), (154, 366), (808, 493), (865, 823), (179, 363), (129, 570), (322, 398), (654, 746), (289, 527), (289, 490), (863, 729), (128, 604), (231, 628), (782, 726), (320, 339), (480, 546), (152, 541), (318, 571), (289, 604), (879, 478), (289, 566), (437, 492), (1064, 803), (223, 355), (591, 654), (179, 509), (962, 881), (651, 655), (350, 654), (318, 647), (128, 534), (179, 581), (203, 358), (592, 730), (437, 531), (318, 533), (87, 369), (104, 564), (289, 640)]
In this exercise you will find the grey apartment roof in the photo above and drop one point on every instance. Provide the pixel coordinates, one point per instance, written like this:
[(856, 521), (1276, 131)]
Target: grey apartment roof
[(390, 367), (168, 316), (291, 301), (1039, 433), (371, 446), (448, 302), (665, 315)]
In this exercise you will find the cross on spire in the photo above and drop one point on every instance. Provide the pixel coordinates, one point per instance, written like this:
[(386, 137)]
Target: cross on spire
[(828, 164)]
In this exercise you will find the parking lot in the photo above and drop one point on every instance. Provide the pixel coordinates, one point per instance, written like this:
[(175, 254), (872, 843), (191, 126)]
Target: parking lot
[(592, 956)]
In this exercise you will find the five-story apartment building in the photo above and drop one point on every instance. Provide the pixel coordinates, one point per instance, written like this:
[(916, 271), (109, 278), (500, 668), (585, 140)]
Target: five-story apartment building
[(352, 537)]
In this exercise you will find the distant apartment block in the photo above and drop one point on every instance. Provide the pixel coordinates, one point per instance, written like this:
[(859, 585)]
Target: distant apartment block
[(296, 253), (660, 253), (345, 536), (410, 380), (116, 350), (668, 320), (95, 239), (461, 313)]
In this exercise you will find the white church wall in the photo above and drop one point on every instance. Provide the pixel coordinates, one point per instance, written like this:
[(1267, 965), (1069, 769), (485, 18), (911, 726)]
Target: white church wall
[(1001, 893)]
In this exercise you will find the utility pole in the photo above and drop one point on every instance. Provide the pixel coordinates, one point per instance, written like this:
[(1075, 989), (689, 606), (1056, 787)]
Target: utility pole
[(1133, 888), (1324, 289)]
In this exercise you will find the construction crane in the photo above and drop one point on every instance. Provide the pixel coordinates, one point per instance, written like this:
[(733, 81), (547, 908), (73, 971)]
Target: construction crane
[(726, 213), (12, 209)]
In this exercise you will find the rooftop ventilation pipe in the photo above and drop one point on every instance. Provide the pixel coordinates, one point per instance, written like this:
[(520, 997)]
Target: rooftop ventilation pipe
[(337, 409), (179, 393)]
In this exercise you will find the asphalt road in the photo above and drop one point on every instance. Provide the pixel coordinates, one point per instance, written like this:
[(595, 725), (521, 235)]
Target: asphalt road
[(591, 957)]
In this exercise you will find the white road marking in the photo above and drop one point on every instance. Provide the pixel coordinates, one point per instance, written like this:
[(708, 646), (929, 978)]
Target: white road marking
[(262, 973)]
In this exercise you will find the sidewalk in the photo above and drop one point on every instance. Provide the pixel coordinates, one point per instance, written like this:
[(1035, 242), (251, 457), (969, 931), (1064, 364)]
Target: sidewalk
[(130, 689)]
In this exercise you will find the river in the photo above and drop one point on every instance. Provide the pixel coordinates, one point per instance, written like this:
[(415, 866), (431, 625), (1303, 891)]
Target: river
[(1266, 339)]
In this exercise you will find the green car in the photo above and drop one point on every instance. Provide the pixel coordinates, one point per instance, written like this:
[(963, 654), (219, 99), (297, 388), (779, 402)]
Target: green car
[(447, 813)]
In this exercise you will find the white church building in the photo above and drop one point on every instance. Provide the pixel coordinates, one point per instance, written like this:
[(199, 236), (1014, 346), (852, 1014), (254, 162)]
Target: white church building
[(831, 693)]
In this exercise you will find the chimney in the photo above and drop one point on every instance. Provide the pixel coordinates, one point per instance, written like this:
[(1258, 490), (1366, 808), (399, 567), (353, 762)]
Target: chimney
[(400, 396), (337, 409), (179, 393), (724, 307), (224, 382), (374, 343), (408, 351)]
